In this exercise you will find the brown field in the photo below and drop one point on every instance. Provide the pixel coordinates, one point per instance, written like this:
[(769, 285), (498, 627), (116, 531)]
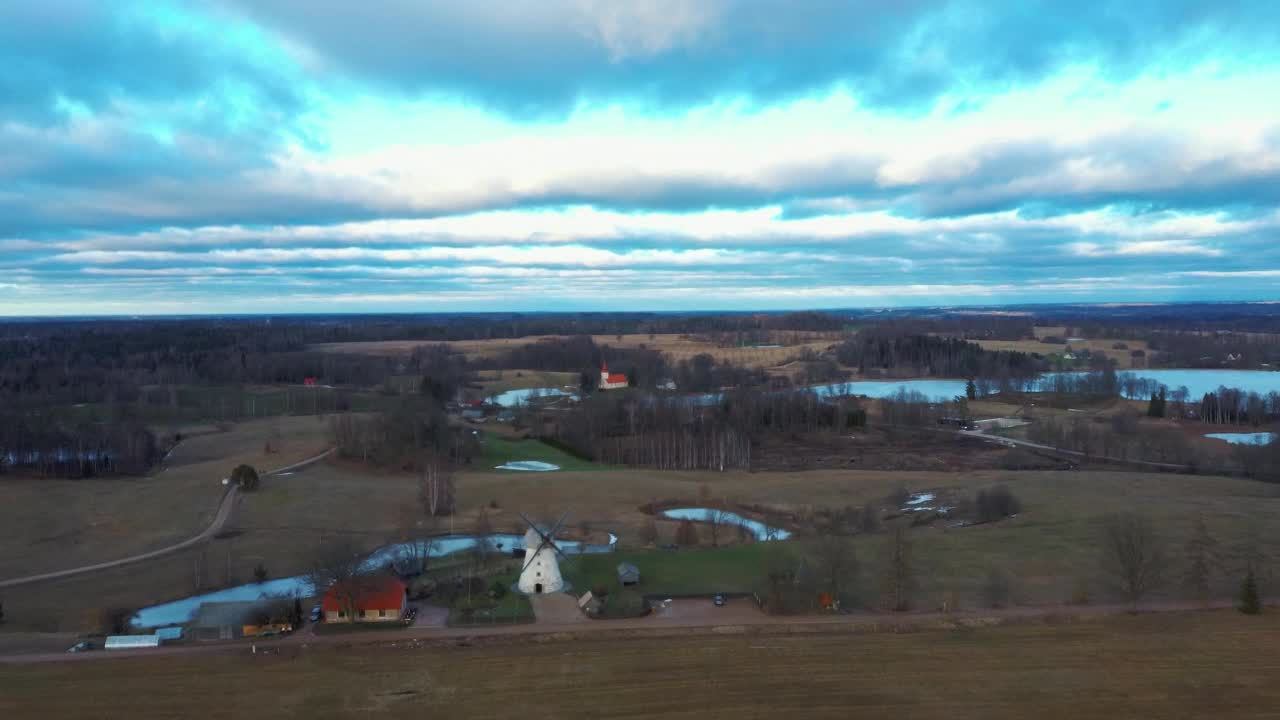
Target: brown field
[(679, 347), (493, 382), (1052, 547), (50, 524), (1210, 664)]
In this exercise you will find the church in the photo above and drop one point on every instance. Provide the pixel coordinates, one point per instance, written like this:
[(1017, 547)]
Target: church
[(611, 382)]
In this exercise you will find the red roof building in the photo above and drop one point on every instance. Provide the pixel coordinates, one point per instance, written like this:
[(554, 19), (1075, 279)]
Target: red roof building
[(375, 599), (611, 381)]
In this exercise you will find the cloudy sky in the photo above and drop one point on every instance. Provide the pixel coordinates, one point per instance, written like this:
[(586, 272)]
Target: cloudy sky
[(235, 156)]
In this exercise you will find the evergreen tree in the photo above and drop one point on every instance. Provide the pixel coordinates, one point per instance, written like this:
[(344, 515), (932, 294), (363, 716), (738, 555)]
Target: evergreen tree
[(1250, 603), (971, 389)]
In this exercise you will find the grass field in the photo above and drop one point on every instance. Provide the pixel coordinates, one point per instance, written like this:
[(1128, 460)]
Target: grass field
[(1218, 664), (681, 572), (496, 450), (50, 524)]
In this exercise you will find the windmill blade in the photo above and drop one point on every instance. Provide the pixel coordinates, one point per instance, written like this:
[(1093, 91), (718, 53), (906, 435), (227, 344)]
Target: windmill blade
[(559, 524), (527, 520)]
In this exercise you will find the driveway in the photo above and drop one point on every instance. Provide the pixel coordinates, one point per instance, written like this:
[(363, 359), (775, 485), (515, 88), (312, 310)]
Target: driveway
[(702, 610), (557, 609)]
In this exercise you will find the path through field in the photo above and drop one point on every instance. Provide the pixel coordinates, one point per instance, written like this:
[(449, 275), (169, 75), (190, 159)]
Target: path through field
[(225, 507)]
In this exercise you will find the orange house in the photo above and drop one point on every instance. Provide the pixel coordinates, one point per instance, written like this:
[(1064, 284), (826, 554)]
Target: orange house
[(377, 599)]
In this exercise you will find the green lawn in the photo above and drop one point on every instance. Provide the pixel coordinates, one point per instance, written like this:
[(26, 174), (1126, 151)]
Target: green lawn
[(497, 451), (680, 572)]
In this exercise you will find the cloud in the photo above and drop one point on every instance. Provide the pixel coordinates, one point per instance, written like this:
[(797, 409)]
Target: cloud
[(549, 56), (1141, 248)]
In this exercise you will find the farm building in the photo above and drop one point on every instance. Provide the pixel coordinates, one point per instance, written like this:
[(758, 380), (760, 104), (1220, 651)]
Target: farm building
[(231, 620), (376, 599), (611, 381), (628, 574)]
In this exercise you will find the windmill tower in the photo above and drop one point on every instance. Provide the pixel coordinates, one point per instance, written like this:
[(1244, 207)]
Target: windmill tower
[(541, 571)]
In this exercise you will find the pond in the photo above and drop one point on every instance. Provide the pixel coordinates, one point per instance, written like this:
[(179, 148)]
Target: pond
[(757, 529), (514, 398), (182, 611), (1258, 438)]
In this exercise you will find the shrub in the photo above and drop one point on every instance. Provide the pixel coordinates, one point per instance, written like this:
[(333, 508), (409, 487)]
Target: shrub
[(995, 504), (497, 590), (259, 573), (899, 497), (600, 590), (246, 477), (997, 589)]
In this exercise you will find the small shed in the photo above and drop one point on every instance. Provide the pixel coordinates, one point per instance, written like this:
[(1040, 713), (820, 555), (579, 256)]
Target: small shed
[(628, 574)]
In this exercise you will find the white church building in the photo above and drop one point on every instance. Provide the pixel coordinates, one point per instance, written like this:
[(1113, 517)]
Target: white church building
[(609, 381)]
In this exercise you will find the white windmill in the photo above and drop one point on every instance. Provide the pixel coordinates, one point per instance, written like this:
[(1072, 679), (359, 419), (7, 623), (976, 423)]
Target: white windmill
[(541, 571)]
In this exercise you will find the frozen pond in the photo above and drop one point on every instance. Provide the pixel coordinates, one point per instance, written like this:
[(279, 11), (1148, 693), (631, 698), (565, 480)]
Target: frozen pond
[(528, 466), (932, 389), (1258, 438), (181, 611), (758, 529), (514, 398)]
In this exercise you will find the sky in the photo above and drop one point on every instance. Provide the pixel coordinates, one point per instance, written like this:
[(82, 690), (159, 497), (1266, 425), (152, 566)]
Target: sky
[(316, 156)]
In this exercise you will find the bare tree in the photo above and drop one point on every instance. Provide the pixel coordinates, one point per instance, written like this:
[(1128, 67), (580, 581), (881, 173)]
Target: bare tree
[(435, 485), (338, 568), (745, 535), (484, 548), (687, 534), (837, 565), (649, 531), (1201, 552), (716, 519), (899, 570), (1133, 556)]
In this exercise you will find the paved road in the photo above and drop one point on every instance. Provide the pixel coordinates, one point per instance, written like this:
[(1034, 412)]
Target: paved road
[(225, 507)]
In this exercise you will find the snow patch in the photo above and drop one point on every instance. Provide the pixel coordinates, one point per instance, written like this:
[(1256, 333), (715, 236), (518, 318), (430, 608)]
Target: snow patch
[(528, 466)]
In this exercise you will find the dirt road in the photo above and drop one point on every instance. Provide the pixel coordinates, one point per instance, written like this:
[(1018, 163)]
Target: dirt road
[(740, 616), (225, 507)]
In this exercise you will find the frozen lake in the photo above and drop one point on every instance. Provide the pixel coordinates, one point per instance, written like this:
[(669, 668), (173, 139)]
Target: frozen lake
[(181, 611), (1197, 382), (758, 529), (1258, 438), (514, 398)]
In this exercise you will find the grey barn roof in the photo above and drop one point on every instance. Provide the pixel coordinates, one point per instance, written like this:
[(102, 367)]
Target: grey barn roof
[(218, 614), (627, 571)]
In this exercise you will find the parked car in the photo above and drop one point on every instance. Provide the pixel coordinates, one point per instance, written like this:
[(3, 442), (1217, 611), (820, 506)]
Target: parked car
[(317, 613), (719, 600), (82, 646)]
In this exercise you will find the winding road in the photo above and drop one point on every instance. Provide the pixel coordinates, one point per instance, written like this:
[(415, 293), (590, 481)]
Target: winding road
[(1012, 442), (225, 507)]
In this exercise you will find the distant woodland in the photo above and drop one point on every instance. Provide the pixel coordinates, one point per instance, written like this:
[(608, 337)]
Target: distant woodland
[(83, 398)]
